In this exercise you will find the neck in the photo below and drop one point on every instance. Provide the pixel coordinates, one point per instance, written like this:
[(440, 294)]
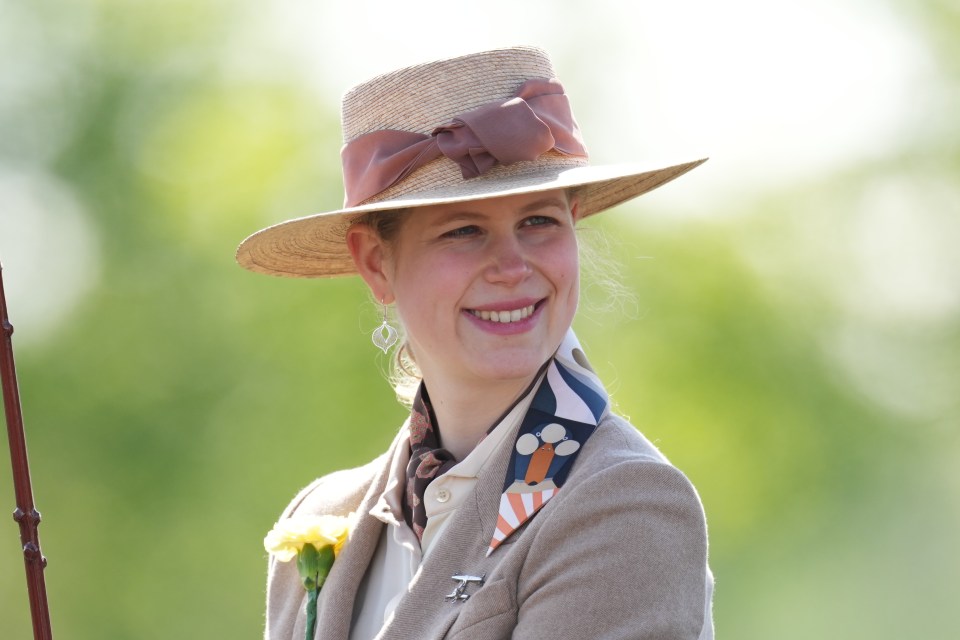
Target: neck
[(465, 413)]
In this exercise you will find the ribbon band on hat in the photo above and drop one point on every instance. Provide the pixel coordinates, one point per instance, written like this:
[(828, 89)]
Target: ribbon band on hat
[(536, 120)]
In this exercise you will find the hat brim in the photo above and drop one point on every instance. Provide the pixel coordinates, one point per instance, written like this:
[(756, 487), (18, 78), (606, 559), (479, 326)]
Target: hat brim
[(315, 246)]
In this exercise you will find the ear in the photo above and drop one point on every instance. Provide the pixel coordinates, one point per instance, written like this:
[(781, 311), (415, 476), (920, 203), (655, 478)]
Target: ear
[(575, 208), (369, 253)]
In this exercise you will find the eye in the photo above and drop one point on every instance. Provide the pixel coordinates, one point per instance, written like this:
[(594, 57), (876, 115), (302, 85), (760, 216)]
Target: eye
[(461, 232), (538, 221)]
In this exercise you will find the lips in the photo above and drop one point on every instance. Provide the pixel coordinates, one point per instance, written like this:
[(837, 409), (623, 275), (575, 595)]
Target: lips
[(504, 316)]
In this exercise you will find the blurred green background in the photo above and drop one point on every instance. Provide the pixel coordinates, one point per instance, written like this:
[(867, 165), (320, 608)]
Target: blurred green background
[(793, 343)]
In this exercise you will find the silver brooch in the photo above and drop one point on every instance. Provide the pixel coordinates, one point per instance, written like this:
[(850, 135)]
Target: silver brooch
[(459, 593)]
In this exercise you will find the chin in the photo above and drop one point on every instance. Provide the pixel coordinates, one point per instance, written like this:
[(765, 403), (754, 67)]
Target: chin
[(511, 368)]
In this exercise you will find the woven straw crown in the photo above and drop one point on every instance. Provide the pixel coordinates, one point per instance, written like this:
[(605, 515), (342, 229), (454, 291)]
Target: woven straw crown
[(419, 99)]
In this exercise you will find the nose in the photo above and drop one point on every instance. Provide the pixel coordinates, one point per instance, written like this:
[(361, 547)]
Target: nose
[(508, 262)]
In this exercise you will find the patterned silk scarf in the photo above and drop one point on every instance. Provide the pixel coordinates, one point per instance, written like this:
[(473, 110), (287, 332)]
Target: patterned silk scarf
[(566, 408), (428, 460)]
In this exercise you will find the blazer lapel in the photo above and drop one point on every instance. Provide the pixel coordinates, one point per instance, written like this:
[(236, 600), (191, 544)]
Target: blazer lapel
[(340, 590)]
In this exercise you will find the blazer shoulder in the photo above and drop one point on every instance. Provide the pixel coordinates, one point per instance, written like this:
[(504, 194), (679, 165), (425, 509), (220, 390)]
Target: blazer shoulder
[(337, 493), (615, 437), (618, 460)]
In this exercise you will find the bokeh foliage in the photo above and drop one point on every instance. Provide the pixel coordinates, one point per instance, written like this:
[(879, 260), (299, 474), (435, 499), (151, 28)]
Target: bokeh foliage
[(182, 401)]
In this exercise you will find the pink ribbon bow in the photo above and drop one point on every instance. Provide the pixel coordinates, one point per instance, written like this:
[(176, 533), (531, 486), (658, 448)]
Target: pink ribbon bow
[(524, 127)]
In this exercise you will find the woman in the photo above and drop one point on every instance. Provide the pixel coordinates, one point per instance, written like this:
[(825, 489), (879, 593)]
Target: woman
[(512, 503)]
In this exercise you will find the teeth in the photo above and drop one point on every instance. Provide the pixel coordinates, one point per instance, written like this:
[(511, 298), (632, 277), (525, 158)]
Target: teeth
[(514, 315)]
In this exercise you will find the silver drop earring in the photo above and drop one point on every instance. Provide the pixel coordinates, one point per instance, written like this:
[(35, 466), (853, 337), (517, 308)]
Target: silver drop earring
[(384, 336)]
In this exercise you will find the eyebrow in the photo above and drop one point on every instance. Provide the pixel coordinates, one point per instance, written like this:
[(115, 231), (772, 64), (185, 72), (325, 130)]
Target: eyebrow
[(542, 204), (467, 215)]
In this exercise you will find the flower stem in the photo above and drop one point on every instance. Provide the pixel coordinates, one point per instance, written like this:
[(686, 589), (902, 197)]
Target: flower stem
[(312, 612)]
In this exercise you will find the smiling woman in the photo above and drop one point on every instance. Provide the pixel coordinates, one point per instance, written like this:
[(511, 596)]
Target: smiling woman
[(512, 503)]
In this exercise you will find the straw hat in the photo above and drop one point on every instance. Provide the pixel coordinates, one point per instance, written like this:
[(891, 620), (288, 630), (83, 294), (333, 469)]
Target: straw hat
[(479, 126)]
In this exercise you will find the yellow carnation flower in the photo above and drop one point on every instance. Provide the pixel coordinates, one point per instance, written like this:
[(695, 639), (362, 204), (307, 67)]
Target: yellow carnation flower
[(288, 536)]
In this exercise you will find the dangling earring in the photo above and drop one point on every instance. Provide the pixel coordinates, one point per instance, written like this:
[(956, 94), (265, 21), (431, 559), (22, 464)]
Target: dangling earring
[(384, 336)]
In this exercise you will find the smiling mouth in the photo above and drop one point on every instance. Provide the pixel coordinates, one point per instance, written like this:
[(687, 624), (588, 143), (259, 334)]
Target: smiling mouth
[(506, 316)]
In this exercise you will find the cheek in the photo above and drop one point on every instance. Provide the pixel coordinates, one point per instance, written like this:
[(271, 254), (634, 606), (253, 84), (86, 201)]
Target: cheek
[(571, 280), (429, 277), (426, 290), (566, 267), (574, 293)]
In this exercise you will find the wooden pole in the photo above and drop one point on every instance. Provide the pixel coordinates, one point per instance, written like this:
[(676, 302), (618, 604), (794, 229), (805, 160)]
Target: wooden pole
[(26, 513)]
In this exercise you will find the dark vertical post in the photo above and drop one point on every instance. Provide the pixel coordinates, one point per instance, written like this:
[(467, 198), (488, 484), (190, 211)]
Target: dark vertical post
[(26, 513)]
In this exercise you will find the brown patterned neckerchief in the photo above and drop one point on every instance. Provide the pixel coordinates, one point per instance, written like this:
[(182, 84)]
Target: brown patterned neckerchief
[(428, 460)]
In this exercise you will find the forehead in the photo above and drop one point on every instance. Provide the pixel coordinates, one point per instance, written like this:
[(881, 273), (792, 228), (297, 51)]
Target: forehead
[(494, 207)]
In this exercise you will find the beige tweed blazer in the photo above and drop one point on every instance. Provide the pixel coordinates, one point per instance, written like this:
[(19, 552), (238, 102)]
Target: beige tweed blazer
[(620, 552)]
